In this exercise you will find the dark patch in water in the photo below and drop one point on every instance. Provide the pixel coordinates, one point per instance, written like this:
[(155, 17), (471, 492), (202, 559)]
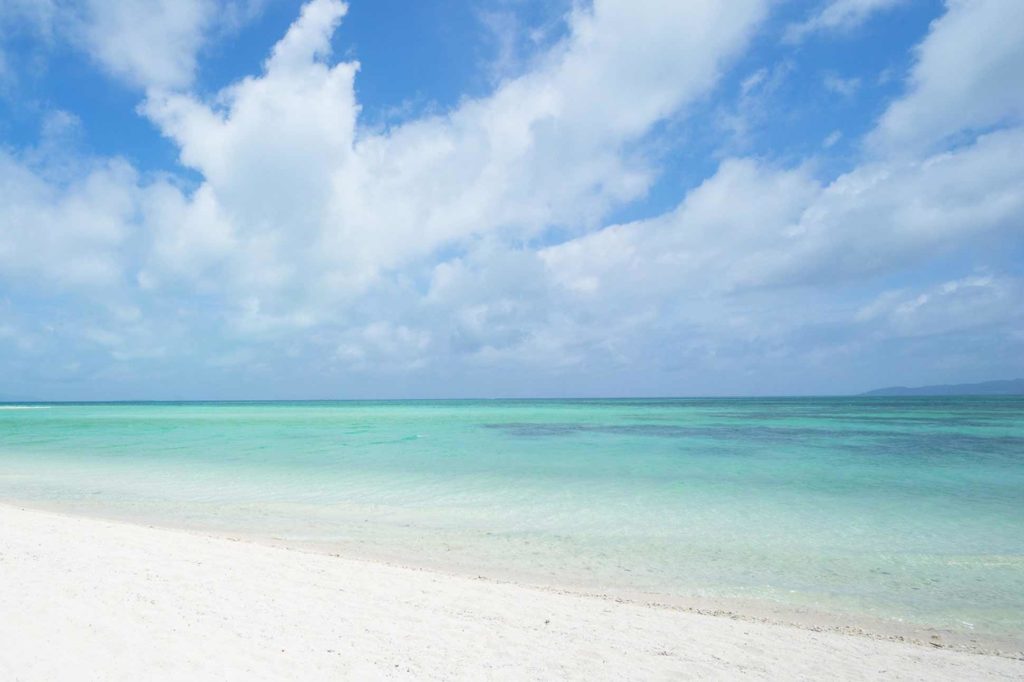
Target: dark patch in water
[(534, 430), (527, 430), (866, 442)]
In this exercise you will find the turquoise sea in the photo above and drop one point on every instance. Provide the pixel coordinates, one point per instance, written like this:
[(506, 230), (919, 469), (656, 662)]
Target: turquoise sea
[(900, 511)]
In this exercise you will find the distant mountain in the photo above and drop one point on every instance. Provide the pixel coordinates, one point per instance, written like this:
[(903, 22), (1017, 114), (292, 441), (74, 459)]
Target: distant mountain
[(1005, 387)]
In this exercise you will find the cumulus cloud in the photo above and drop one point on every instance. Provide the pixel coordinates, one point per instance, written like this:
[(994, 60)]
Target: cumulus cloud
[(736, 275), (968, 77), (755, 226), (304, 200), (65, 234), (476, 240), (148, 43), (144, 43)]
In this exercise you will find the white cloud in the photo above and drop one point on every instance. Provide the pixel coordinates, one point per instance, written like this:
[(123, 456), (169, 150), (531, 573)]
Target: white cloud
[(969, 76), (755, 226), (751, 230), (144, 43), (515, 41), (34, 15), (307, 202), (703, 242), (414, 247), (148, 43), (67, 234), (838, 15), (755, 104), (847, 87), (954, 306), (383, 346)]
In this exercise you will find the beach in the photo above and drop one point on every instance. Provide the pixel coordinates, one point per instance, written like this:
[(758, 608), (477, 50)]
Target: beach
[(493, 340), (93, 599), (895, 518)]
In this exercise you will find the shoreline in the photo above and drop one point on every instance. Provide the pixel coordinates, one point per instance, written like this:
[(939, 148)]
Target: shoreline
[(749, 610), (83, 587), (746, 610)]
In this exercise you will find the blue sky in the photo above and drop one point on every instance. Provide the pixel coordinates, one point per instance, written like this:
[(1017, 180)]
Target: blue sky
[(274, 199)]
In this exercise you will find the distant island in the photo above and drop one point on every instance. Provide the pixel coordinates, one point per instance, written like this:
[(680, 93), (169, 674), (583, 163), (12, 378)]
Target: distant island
[(1003, 387)]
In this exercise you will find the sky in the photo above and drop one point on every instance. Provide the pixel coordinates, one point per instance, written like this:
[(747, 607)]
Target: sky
[(268, 199)]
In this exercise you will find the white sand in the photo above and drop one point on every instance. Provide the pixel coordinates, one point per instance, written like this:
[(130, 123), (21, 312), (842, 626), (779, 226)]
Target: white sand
[(88, 599)]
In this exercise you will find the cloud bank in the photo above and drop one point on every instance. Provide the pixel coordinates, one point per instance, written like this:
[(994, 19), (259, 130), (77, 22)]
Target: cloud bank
[(476, 249)]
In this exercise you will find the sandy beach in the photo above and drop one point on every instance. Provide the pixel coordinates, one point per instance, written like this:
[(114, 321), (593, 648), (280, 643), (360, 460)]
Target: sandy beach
[(92, 599)]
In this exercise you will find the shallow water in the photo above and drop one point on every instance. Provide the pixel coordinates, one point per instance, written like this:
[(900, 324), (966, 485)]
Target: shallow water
[(909, 510)]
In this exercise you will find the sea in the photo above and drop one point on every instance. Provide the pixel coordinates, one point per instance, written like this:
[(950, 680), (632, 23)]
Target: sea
[(888, 514)]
